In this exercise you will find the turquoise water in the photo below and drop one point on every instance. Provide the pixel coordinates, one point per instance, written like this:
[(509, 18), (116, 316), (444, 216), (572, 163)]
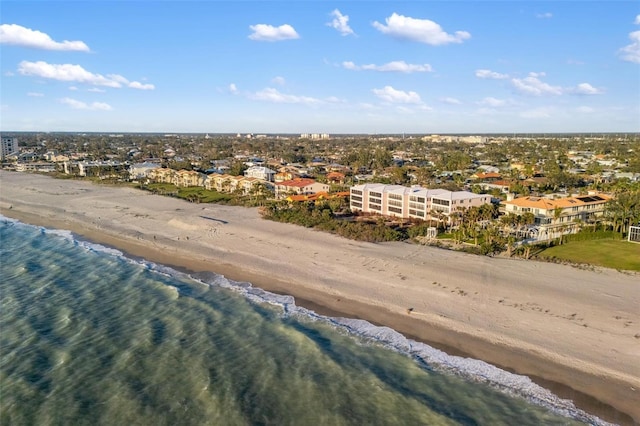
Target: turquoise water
[(88, 336)]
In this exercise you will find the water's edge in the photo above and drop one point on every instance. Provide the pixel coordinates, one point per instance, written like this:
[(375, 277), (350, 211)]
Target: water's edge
[(427, 356)]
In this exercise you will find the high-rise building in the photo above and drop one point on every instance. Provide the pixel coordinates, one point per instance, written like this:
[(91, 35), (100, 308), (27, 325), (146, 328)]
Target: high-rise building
[(9, 146)]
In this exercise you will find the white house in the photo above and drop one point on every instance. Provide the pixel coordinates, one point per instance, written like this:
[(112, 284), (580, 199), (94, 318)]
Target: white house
[(260, 172), (141, 170)]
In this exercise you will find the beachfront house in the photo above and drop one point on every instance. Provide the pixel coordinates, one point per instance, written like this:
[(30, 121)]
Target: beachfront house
[(186, 178), (413, 202), (162, 175), (557, 216), (299, 186), (140, 171)]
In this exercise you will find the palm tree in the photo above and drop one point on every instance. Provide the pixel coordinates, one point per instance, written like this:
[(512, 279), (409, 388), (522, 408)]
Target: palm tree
[(624, 210)]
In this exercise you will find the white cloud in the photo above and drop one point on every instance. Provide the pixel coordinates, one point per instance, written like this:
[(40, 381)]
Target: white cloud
[(490, 74), (20, 36), (532, 85), (586, 89), (492, 102), (537, 113), (233, 88), (637, 20), (341, 23), (585, 109), (334, 100), (389, 94), (273, 95), (546, 15), (35, 94), (95, 106), (73, 88), (96, 90), (394, 66), (264, 32), (631, 52), (420, 30), (141, 86), (450, 101), (75, 73), (64, 72), (280, 81)]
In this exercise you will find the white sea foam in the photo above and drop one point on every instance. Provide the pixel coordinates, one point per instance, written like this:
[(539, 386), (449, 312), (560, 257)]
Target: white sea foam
[(67, 235), (470, 369), (9, 220)]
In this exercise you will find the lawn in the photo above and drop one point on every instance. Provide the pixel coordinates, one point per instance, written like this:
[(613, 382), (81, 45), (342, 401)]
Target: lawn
[(616, 254)]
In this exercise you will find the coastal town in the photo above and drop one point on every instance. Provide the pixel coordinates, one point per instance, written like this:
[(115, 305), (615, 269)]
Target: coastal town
[(487, 194)]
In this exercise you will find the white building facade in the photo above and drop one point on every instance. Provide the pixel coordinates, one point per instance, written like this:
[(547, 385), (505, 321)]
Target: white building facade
[(413, 202), (259, 172), (9, 146)]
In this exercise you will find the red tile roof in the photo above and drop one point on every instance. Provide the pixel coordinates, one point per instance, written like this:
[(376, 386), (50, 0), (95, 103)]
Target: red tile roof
[(298, 182)]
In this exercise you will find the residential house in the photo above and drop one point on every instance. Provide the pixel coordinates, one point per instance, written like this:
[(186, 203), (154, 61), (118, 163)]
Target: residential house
[(300, 186), (335, 178), (186, 178), (285, 175), (486, 177), (36, 167), (162, 175), (142, 170), (558, 215), (260, 172)]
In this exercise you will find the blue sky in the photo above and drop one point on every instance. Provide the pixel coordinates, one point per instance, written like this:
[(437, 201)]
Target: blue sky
[(320, 66)]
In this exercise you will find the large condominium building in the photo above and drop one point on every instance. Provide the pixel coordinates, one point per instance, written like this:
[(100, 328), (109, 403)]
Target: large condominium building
[(412, 202), (9, 146)]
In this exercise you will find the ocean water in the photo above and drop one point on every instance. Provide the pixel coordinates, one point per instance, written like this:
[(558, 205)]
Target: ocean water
[(91, 337)]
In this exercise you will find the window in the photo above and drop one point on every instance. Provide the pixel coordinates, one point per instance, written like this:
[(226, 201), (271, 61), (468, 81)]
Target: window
[(395, 210), (440, 202), (356, 198)]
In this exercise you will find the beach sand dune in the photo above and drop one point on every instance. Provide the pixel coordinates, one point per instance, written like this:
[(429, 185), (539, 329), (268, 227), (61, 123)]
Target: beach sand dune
[(574, 326)]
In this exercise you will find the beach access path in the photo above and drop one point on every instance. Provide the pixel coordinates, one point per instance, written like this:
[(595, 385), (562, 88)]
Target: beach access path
[(579, 327)]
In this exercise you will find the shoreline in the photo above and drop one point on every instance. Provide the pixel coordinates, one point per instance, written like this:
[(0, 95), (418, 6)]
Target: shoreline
[(587, 380)]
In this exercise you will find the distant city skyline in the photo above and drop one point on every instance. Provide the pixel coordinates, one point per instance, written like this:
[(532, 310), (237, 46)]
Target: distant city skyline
[(285, 67)]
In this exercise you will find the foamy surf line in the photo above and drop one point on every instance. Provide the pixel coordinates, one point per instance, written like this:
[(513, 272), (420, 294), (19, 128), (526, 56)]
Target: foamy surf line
[(468, 368)]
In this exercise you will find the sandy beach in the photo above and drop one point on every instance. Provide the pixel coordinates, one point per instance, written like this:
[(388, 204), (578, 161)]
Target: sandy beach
[(574, 330)]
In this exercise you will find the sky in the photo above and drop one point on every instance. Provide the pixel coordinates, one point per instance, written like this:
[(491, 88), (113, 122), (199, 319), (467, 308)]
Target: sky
[(367, 67)]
